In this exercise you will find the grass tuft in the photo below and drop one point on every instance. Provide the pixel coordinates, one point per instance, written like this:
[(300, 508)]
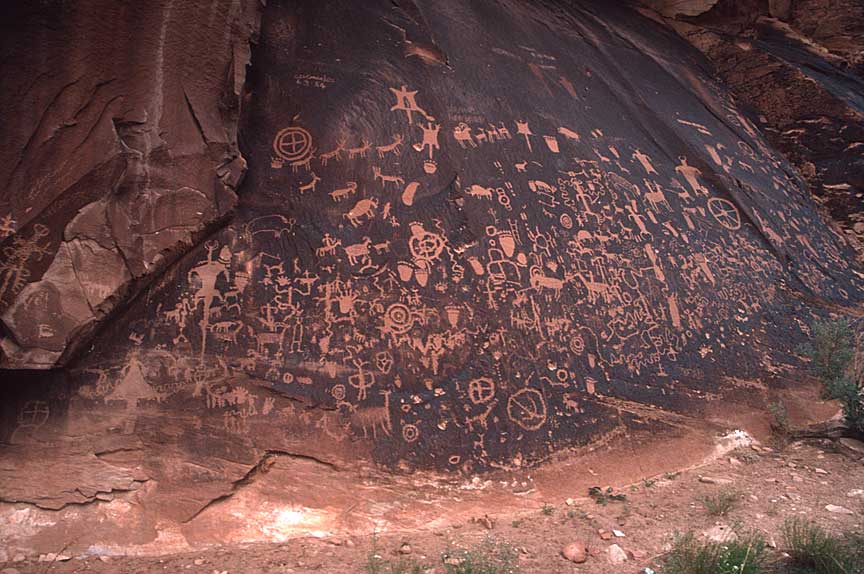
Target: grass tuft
[(722, 502), (377, 564), (492, 556)]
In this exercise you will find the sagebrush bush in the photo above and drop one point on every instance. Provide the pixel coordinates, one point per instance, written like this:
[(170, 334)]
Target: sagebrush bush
[(838, 360)]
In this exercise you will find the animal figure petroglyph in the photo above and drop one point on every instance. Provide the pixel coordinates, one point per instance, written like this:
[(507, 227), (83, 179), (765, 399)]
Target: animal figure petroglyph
[(382, 247), (276, 225), (332, 154), (365, 146), (263, 340), (390, 148), (339, 194), (385, 179), (311, 185), (226, 330), (374, 418), (304, 163), (363, 208), (462, 133), (655, 197), (480, 191), (540, 281), (359, 252)]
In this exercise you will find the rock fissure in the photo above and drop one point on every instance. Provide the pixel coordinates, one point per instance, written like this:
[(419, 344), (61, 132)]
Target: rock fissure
[(261, 467)]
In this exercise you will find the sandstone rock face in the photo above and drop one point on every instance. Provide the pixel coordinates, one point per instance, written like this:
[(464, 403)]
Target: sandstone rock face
[(675, 8), (470, 236), (800, 65), (119, 153)]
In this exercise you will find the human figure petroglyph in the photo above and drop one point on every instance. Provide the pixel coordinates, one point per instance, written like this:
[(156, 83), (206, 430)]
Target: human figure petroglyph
[(208, 273), (655, 196), (645, 160), (328, 246), (133, 387), (430, 139), (691, 175), (14, 266), (523, 129), (406, 101), (482, 419), (362, 380), (7, 226)]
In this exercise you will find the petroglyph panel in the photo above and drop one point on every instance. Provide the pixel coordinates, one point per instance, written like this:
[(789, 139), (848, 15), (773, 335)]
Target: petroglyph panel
[(475, 263)]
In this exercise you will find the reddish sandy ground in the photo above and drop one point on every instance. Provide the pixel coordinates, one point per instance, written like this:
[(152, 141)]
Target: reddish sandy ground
[(800, 479)]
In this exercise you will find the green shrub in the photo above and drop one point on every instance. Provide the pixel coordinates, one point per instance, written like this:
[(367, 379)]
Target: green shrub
[(779, 419), (839, 364), (746, 555), (849, 393), (812, 550), (831, 348)]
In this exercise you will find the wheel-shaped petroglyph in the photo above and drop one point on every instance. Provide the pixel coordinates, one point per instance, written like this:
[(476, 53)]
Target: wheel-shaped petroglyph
[(725, 212), (292, 144), (481, 391), (527, 408)]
